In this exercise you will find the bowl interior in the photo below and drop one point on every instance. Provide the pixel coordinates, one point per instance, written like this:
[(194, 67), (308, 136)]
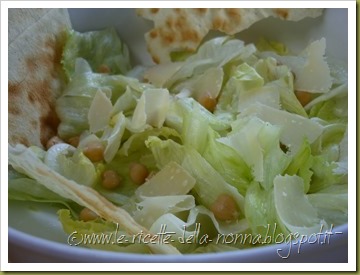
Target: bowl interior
[(30, 223)]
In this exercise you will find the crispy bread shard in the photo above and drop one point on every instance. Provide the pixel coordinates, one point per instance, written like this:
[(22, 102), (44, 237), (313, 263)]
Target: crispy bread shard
[(184, 29), (36, 37)]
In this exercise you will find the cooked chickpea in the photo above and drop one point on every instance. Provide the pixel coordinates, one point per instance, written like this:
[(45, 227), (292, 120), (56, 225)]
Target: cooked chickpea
[(110, 179), (208, 102), (138, 173), (87, 215), (74, 141), (103, 68), (225, 208), (303, 97), (52, 141), (94, 151)]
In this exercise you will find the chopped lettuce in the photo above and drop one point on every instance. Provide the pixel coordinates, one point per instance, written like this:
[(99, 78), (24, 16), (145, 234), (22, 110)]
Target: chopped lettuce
[(227, 162), (74, 104), (257, 142), (266, 45), (213, 53), (293, 127), (23, 188), (102, 49), (181, 107), (196, 228), (331, 204), (260, 208), (301, 165), (331, 106), (99, 234), (264, 82), (71, 163), (209, 183), (280, 162), (242, 88)]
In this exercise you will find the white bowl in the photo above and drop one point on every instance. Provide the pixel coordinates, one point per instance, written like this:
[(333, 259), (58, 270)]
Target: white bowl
[(35, 234)]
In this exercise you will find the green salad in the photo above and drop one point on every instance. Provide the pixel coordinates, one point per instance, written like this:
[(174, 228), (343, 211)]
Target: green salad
[(233, 139)]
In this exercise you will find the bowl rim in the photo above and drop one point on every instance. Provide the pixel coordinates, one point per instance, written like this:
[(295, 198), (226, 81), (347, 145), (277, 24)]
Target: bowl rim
[(83, 254)]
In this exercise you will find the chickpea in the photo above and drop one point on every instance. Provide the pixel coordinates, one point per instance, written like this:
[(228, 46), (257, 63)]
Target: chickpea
[(208, 102), (111, 179), (103, 68), (225, 208), (303, 97), (94, 151), (87, 215), (52, 141), (138, 173), (74, 141)]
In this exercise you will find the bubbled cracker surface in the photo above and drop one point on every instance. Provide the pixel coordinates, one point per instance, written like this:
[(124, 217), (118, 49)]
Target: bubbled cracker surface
[(36, 39), (183, 29)]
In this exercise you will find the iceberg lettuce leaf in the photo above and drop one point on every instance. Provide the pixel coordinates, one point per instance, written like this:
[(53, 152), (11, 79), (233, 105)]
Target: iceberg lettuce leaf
[(213, 53), (23, 188), (294, 128), (332, 204), (71, 163), (265, 45), (102, 49), (99, 234), (227, 162), (74, 104), (258, 144)]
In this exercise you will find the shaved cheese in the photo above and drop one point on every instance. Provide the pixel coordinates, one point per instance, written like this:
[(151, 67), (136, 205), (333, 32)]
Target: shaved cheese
[(207, 84), (171, 180), (312, 73), (151, 109), (314, 77), (294, 127), (99, 112), (158, 75), (113, 137), (151, 208)]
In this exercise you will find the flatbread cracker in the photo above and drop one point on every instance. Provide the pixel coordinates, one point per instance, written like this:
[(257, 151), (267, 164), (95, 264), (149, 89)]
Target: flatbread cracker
[(36, 37), (184, 29)]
